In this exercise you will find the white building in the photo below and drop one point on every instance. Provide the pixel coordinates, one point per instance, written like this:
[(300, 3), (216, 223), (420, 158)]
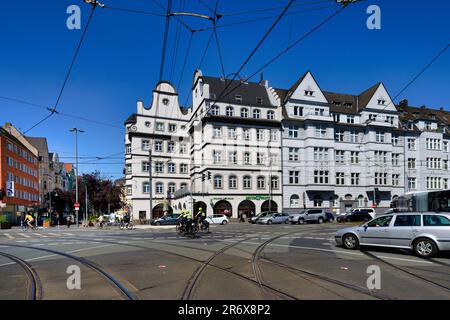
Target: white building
[(340, 150), (247, 147)]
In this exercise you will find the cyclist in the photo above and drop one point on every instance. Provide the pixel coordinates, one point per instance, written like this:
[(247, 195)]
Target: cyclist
[(201, 218), (29, 219)]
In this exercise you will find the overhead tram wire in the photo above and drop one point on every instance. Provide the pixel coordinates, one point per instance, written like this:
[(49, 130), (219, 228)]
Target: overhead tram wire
[(266, 35), (53, 111), (135, 11), (282, 53), (176, 43), (60, 113), (216, 18), (208, 7), (164, 47)]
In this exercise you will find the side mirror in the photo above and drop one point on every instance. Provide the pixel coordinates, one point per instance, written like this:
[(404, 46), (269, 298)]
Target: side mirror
[(365, 227)]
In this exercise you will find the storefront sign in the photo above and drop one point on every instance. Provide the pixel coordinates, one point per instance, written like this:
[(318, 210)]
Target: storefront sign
[(257, 198), (10, 191)]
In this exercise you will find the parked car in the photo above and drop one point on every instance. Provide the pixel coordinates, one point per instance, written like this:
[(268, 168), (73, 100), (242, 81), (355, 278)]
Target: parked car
[(217, 219), (170, 219), (355, 216), (423, 233), (261, 215), (370, 211), (274, 218), (311, 215), (330, 217)]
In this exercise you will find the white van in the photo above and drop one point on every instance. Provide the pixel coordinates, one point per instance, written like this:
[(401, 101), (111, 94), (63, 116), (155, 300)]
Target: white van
[(370, 211)]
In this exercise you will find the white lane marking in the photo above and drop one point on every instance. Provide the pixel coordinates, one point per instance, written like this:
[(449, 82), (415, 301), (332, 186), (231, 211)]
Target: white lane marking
[(37, 244), (21, 241), (53, 234), (9, 236), (40, 235), (24, 235), (67, 234), (66, 243), (7, 264)]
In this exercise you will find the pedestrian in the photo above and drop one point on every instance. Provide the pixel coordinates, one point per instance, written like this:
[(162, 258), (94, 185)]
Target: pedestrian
[(68, 220), (244, 216)]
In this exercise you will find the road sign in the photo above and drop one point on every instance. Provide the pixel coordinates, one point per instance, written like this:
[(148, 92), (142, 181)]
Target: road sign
[(76, 206)]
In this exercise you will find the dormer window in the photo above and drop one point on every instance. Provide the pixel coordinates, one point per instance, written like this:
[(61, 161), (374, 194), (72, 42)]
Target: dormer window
[(259, 100), (432, 116), (381, 102), (238, 98), (309, 93), (214, 110), (229, 111), (348, 104), (427, 125), (337, 103)]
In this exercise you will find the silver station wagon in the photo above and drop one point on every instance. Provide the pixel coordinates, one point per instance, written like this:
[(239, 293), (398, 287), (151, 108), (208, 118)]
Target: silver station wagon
[(424, 233)]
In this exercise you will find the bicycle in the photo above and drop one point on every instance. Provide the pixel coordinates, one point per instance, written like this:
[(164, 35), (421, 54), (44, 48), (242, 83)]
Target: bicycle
[(204, 226)]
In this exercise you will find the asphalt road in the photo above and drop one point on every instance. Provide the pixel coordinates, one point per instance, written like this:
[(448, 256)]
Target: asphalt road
[(233, 262)]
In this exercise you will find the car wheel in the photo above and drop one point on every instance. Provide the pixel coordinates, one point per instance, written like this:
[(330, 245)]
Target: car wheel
[(158, 223), (301, 221), (425, 248), (269, 222), (350, 241), (286, 221), (320, 220), (224, 222)]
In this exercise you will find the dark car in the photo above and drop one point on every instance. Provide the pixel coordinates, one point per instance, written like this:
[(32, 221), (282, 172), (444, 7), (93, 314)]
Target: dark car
[(355, 216), (330, 216), (170, 219)]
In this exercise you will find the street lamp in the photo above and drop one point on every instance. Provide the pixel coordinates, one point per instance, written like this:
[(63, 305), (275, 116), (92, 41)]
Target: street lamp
[(76, 131)]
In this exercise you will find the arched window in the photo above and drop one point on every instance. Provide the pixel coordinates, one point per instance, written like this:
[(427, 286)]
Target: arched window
[(244, 113), (247, 182), (214, 110), (270, 115), (232, 182), (360, 201), (256, 114), (171, 188), (218, 182), (295, 201), (229, 111), (183, 186), (261, 182), (159, 188)]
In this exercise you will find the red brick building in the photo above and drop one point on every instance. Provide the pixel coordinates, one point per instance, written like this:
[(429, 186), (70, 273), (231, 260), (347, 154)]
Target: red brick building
[(19, 164)]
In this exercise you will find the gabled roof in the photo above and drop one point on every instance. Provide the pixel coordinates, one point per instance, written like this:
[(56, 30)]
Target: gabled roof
[(334, 98), (366, 96), (39, 143), (294, 87), (248, 90)]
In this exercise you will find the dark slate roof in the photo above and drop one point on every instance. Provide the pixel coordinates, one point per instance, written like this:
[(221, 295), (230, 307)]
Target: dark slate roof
[(296, 84), (131, 119), (365, 97), (343, 99), (248, 90), (39, 143), (282, 94)]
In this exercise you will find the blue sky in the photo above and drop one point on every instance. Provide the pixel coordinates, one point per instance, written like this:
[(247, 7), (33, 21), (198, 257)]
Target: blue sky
[(120, 59)]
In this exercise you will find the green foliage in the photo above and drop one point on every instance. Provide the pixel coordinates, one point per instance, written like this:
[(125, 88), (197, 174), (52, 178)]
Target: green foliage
[(3, 219)]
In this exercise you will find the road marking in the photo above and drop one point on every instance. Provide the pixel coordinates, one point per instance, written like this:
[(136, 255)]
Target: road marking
[(40, 235), (9, 236), (53, 234), (67, 234), (21, 241), (24, 235), (38, 244)]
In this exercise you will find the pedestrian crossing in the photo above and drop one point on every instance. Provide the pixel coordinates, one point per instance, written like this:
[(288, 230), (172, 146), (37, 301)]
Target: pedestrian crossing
[(20, 236)]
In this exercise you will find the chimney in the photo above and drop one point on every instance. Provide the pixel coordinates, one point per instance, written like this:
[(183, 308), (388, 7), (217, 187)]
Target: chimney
[(263, 82), (404, 103), (423, 107)]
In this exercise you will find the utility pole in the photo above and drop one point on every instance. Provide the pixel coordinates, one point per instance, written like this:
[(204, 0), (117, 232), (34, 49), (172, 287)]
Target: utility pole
[(86, 222), (76, 131), (150, 179)]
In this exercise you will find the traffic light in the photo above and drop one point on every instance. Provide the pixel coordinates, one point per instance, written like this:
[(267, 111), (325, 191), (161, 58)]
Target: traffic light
[(209, 175), (203, 177)]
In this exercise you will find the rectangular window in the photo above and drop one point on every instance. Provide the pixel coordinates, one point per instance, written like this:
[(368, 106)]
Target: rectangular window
[(172, 127), (146, 187), (260, 134), (445, 146), (238, 98), (294, 177), (232, 157), (273, 135), (411, 144), (350, 119), (340, 178), (158, 146), (321, 131), (217, 157), (293, 132), (145, 145), (260, 158), (394, 140), (294, 154), (171, 147), (412, 185), (145, 166), (171, 168), (320, 177), (395, 159), (217, 132), (354, 136), (246, 134), (183, 168), (159, 167), (355, 179), (128, 168), (339, 135), (247, 158), (354, 157), (128, 149), (339, 156), (232, 133), (411, 163), (320, 154), (160, 126), (380, 136), (319, 112), (395, 180)]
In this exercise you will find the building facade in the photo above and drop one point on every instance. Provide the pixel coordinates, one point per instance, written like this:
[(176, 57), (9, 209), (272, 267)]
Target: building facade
[(245, 147), (19, 174)]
